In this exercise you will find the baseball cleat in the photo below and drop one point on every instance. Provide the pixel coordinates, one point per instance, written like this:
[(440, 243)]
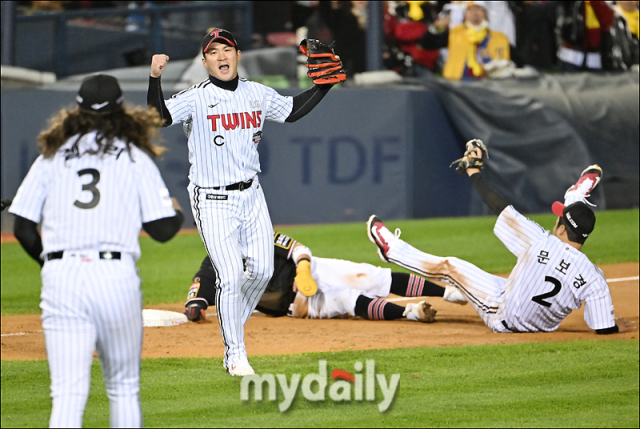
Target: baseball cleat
[(589, 179), (240, 369), (380, 235), (195, 312), (420, 312), (452, 294)]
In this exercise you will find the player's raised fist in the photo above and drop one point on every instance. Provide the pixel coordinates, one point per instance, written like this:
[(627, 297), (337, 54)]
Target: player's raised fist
[(158, 64)]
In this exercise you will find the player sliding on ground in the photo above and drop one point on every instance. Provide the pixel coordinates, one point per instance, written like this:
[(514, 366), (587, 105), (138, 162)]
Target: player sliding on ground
[(333, 288), (552, 276)]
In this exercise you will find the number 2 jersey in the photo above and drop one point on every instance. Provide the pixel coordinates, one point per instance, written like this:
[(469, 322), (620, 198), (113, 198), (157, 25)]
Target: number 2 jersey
[(93, 202), (550, 279)]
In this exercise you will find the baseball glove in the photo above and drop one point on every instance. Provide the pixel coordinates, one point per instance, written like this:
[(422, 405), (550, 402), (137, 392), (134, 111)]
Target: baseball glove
[(324, 66), (304, 282), (468, 161)]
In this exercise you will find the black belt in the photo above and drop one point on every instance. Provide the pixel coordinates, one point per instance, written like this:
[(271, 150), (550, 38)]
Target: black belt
[(236, 186), (103, 255)]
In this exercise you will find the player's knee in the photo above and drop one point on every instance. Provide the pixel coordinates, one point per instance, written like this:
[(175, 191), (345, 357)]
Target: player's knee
[(261, 272)]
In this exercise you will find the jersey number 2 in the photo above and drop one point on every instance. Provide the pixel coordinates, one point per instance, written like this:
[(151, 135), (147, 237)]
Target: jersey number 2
[(556, 290), (91, 187)]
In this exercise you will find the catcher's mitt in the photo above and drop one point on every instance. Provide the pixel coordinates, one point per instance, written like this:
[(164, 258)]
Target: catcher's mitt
[(324, 66), (467, 161)]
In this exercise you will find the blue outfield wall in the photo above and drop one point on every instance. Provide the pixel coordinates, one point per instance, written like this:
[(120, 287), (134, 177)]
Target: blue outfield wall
[(387, 150), (360, 151)]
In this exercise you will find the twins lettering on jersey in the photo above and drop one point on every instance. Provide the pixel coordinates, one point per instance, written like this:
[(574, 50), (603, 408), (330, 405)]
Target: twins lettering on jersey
[(231, 121)]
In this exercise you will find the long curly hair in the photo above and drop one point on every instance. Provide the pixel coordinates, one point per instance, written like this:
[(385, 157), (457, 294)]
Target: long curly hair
[(133, 125)]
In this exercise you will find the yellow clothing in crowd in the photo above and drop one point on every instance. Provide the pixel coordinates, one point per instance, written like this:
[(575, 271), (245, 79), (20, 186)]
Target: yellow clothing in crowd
[(464, 51), (632, 20)]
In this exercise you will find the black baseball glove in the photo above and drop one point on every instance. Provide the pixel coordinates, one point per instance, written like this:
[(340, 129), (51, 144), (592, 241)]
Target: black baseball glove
[(323, 65), (468, 161)]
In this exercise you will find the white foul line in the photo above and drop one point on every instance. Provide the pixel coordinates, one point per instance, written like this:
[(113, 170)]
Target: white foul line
[(620, 279), (623, 279)]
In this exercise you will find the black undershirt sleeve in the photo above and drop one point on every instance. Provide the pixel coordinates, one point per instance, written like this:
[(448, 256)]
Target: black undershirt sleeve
[(490, 197), (26, 233), (304, 102), (156, 99), (612, 330), (164, 229)]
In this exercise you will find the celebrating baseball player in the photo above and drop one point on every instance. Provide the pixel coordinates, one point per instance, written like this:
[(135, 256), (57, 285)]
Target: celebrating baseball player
[(552, 276), (340, 288), (223, 117), (93, 187)]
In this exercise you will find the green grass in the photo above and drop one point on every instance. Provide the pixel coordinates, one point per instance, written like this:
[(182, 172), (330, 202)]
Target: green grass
[(571, 384), (166, 269)]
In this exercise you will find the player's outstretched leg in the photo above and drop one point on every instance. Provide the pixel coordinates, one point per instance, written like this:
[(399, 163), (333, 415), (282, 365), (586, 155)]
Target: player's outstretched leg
[(481, 289), (381, 309), (404, 284)]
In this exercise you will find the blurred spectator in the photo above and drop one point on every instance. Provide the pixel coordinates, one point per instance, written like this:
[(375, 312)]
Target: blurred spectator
[(31, 7), (535, 23), (582, 28), (270, 17), (347, 21), (629, 11), (499, 15), (414, 33), (623, 52), (472, 45)]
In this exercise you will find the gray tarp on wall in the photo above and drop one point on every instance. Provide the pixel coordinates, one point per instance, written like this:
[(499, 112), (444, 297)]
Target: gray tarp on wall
[(542, 132)]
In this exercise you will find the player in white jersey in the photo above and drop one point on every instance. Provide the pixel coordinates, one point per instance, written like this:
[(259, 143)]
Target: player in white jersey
[(551, 278), (344, 288), (224, 116), (92, 189)]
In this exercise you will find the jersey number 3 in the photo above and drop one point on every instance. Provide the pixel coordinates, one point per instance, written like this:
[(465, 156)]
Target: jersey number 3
[(91, 187), (540, 299)]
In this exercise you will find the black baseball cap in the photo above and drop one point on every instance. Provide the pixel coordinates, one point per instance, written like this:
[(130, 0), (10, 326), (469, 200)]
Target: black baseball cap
[(578, 216), (100, 94), (218, 35)]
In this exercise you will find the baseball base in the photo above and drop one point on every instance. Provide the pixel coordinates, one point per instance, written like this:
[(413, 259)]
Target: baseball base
[(155, 318)]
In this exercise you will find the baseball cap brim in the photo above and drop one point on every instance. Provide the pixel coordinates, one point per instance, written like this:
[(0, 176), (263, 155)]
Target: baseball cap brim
[(558, 208), (218, 35)]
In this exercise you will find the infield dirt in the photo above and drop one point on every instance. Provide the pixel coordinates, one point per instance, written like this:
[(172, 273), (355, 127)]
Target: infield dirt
[(22, 336)]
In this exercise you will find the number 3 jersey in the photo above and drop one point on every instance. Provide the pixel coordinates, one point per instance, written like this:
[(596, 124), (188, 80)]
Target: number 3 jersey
[(89, 201), (550, 279)]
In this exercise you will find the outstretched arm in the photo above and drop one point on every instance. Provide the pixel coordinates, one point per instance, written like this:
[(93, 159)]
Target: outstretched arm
[(304, 102), (303, 282), (490, 197), (154, 93)]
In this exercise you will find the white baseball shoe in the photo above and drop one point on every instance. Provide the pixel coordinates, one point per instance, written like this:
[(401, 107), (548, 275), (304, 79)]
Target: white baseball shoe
[(380, 235), (420, 312), (452, 294), (240, 368), (589, 179)]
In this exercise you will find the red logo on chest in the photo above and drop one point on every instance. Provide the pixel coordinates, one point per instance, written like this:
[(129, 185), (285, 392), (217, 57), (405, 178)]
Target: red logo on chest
[(231, 121)]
